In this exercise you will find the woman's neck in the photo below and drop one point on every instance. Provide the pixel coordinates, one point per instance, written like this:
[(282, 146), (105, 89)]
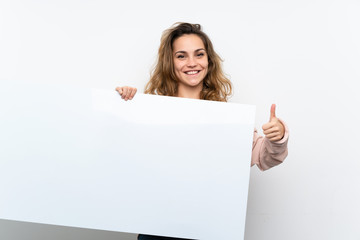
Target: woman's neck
[(189, 92)]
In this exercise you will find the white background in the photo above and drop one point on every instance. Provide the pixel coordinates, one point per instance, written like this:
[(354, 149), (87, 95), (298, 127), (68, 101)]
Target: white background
[(302, 55)]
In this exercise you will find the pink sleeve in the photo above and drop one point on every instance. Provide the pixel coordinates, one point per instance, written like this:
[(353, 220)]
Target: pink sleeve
[(267, 154)]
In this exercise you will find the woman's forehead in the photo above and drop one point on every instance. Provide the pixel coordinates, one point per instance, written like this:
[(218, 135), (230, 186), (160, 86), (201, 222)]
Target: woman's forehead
[(188, 42)]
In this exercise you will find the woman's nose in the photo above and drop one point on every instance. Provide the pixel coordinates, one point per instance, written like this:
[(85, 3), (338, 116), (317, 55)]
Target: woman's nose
[(191, 62)]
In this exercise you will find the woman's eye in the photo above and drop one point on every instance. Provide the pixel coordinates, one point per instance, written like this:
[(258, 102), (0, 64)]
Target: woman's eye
[(200, 54), (180, 56)]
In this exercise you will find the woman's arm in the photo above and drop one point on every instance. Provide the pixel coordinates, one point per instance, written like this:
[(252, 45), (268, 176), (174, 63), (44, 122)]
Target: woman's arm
[(270, 150), (267, 154)]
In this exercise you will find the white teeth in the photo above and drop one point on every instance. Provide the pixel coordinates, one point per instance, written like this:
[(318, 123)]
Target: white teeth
[(192, 72)]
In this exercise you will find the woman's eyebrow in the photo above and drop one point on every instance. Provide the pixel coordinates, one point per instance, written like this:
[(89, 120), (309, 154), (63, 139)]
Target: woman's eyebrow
[(180, 52), (197, 50)]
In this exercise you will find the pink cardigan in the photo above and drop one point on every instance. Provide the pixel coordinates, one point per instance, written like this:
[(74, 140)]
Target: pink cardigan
[(266, 154)]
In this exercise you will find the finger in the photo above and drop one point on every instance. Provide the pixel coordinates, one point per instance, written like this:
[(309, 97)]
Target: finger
[(272, 112), (133, 92), (119, 89), (128, 93), (125, 92), (272, 130), (272, 135), (268, 126)]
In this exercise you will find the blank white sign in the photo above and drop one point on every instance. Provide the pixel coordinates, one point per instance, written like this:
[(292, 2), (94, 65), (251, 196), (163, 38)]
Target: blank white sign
[(154, 165)]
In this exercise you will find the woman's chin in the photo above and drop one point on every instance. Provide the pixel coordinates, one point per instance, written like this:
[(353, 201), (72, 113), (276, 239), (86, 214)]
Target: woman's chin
[(194, 84)]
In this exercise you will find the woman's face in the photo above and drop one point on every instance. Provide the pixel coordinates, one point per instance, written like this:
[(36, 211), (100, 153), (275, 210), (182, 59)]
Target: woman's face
[(190, 61)]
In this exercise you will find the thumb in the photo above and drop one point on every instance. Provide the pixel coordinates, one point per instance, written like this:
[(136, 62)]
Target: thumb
[(272, 112)]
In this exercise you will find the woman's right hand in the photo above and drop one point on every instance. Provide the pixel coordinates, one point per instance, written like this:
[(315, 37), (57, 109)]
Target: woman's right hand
[(126, 93)]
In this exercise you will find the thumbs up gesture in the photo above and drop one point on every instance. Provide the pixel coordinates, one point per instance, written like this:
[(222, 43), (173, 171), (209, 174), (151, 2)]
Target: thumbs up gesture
[(274, 130)]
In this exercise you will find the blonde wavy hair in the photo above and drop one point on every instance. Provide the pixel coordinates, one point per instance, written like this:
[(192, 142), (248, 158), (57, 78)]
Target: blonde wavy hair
[(163, 80)]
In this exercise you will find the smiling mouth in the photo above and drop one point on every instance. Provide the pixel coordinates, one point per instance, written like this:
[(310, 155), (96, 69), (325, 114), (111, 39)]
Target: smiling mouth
[(192, 72)]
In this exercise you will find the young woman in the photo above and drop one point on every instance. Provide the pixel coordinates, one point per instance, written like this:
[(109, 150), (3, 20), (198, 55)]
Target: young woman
[(187, 66)]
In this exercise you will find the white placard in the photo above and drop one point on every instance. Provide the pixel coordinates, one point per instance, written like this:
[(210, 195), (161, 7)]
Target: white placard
[(154, 165)]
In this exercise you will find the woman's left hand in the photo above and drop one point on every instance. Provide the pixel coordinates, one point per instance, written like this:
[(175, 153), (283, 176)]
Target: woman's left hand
[(274, 130)]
